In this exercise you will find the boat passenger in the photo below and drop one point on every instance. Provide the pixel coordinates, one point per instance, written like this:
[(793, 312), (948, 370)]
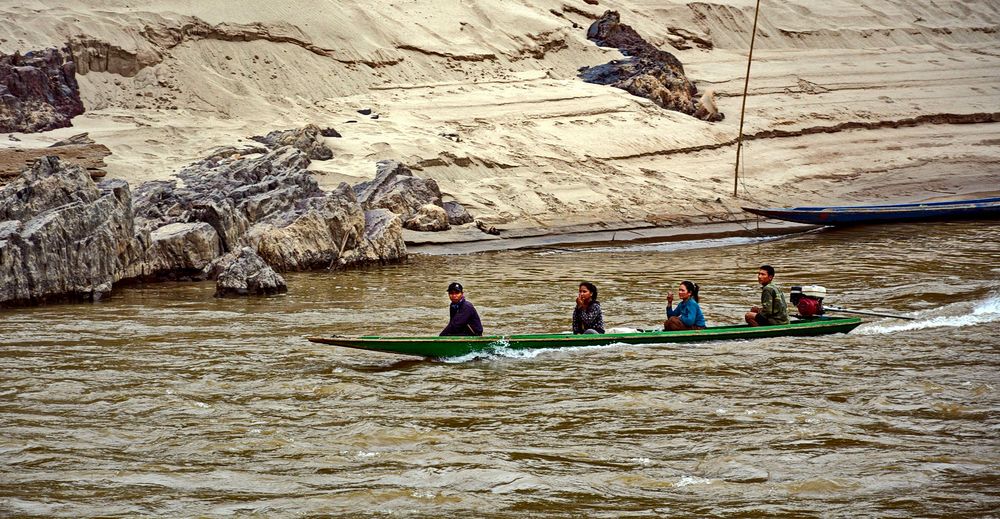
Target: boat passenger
[(687, 315), (772, 309), (464, 318), (587, 316)]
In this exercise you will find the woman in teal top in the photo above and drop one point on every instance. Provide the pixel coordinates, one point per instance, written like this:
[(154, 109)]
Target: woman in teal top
[(687, 315)]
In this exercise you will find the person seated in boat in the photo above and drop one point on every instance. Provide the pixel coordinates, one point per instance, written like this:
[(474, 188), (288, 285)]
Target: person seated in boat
[(464, 317), (687, 315), (587, 316), (772, 309)]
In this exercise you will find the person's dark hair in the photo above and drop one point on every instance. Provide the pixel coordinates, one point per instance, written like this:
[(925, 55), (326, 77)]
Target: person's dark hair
[(693, 288), (769, 269), (593, 290)]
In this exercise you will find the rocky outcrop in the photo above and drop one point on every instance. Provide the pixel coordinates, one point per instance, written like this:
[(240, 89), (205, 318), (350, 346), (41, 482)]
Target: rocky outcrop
[(244, 273), (315, 237), (457, 214), (383, 238), (396, 188), (183, 250), (38, 91), (64, 237), (648, 72), (429, 217), (308, 139), (269, 202), (80, 139), (78, 150), (223, 153)]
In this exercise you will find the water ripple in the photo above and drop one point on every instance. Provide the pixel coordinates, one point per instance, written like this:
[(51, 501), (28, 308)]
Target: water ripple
[(164, 401)]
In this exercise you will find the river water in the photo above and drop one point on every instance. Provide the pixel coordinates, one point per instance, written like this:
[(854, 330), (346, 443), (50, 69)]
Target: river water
[(163, 401)]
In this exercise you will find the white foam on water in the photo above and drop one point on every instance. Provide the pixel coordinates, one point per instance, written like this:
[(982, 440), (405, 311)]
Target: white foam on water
[(986, 311), (501, 350), (506, 352), (692, 480)]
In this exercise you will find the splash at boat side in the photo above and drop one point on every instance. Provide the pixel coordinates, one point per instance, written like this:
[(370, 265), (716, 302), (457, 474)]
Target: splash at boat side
[(955, 315)]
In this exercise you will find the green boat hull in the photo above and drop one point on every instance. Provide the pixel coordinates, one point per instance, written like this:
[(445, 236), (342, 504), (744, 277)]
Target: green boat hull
[(446, 347)]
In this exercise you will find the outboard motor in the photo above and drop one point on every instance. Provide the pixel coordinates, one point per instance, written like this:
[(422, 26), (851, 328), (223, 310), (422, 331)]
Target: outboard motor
[(808, 299)]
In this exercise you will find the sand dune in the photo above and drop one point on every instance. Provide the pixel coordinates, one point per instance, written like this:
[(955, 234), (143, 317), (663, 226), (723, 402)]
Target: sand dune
[(849, 102)]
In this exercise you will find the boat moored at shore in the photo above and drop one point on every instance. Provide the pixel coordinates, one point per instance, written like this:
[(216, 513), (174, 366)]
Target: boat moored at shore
[(981, 208)]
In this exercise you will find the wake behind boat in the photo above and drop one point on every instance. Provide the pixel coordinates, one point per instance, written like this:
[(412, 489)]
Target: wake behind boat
[(981, 208), (446, 347)]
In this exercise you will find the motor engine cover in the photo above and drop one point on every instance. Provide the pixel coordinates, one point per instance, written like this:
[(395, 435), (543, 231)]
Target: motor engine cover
[(808, 299), (809, 306)]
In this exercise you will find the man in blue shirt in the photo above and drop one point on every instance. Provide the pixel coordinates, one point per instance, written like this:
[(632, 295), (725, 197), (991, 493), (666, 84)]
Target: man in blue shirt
[(464, 318)]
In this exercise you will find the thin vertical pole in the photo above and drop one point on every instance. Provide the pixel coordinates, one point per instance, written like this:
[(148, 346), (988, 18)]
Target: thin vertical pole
[(746, 85)]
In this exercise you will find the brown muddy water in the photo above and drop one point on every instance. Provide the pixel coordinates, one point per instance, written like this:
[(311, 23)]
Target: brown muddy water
[(163, 401)]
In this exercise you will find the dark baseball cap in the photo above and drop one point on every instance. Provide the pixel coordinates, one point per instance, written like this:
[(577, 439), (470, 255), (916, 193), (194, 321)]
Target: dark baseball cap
[(455, 287)]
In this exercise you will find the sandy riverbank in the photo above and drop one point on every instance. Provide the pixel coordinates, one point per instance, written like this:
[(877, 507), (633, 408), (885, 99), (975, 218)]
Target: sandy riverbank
[(895, 101)]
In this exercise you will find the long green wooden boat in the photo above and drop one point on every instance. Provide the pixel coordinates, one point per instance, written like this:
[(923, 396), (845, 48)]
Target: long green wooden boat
[(446, 347)]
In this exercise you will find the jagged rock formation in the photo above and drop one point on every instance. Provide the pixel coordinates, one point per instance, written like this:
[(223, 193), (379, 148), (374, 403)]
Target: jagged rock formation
[(63, 237), (80, 139), (183, 250), (648, 72), (245, 273), (382, 237), (38, 91), (429, 217), (267, 201), (308, 139), (396, 189), (457, 214)]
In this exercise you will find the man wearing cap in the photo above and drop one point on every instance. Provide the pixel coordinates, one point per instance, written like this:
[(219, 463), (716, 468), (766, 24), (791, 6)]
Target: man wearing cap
[(464, 318)]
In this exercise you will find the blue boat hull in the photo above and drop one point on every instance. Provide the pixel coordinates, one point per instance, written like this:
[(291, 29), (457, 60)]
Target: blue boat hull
[(982, 208)]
